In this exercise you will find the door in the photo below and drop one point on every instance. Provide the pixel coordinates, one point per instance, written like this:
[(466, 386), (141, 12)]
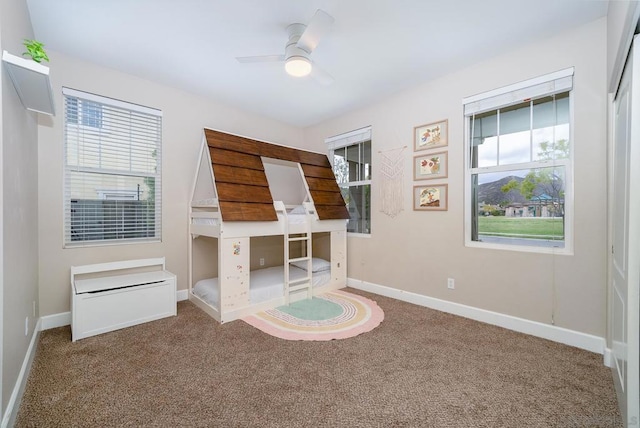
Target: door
[(625, 239)]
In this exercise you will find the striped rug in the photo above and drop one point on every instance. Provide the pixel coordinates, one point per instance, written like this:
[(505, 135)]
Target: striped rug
[(333, 315)]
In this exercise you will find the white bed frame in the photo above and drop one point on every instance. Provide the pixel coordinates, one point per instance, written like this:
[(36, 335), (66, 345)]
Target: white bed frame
[(234, 246), (101, 302)]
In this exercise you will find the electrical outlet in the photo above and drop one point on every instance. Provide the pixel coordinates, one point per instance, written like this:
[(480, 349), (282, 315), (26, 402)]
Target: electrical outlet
[(451, 284), (261, 261), (26, 326)]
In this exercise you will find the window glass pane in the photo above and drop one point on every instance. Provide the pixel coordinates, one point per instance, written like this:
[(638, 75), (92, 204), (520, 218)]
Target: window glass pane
[(353, 159), (514, 143), (521, 207), (551, 127), (340, 166), (366, 160), (358, 200), (484, 128)]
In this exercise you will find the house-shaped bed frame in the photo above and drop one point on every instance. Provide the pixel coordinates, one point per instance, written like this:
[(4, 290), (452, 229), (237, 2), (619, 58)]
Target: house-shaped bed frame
[(232, 202)]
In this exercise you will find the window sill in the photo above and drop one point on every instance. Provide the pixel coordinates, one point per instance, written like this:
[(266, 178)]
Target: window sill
[(109, 243), (358, 235), (566, 251)]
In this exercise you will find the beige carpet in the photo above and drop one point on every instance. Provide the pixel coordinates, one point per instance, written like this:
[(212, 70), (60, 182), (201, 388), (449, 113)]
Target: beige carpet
[(419, 368)]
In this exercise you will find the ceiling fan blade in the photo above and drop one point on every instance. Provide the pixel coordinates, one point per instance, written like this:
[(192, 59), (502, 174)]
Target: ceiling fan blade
[(260, 58), (319, 25), (321, 76)]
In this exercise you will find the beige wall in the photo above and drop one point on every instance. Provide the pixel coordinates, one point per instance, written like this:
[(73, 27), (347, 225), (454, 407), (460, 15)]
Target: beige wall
[(19, 205), (418, 251), (184, 116)]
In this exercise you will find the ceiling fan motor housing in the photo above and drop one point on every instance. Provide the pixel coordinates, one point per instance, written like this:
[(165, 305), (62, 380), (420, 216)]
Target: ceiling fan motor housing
[(292, 49)]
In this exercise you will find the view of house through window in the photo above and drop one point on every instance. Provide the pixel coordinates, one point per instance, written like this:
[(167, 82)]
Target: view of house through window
[(350, 155), (112, 154), (519, 167)]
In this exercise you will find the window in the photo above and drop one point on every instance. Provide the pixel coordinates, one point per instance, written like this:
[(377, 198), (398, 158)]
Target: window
[(519, 166), (350, 155), (112, 176)]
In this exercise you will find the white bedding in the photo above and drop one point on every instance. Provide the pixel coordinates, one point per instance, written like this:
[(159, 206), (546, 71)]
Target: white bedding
[(265, 284), (203, 221)]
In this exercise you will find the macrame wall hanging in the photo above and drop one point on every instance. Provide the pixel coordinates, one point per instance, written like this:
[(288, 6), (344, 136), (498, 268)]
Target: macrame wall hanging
[(391, 181)]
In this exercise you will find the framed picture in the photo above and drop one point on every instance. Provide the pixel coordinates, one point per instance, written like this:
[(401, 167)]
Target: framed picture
[(433, 165), (430, 136), (430, 198)]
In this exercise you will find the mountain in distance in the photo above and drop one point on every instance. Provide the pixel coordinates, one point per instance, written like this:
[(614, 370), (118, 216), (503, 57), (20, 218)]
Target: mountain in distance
[(491, 193)]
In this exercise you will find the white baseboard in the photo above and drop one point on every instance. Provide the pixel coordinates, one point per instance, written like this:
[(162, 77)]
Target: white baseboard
[(182, 295), (16, 395), (608, 357), (546, 331), (56, 320)]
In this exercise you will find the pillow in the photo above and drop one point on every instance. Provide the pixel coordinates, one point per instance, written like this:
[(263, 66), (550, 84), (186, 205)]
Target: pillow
[(317, 264), (298, 210)]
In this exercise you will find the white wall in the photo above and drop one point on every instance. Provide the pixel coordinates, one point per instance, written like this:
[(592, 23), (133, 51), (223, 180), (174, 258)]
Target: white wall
[(184, 117), (19, 205), (418, 251)]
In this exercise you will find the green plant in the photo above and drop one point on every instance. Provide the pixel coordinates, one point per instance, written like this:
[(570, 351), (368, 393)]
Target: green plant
[(35, 50)]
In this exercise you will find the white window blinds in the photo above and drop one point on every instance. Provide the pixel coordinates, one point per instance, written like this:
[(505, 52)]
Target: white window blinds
[(113, 158)]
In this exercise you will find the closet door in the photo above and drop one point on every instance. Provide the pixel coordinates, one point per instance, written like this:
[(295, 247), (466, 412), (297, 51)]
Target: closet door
[(625, 239)]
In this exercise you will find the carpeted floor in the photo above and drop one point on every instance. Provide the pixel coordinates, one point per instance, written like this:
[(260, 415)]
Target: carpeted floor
[(419, 368)]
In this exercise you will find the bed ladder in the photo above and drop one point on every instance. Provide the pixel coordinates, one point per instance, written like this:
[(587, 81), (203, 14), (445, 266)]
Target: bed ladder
[(300, 284)]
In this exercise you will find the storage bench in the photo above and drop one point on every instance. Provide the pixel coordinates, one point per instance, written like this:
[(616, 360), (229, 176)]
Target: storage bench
[(101, 302)]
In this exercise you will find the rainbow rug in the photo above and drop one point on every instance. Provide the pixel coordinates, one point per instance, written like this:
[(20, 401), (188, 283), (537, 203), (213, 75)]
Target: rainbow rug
[(333, 315)]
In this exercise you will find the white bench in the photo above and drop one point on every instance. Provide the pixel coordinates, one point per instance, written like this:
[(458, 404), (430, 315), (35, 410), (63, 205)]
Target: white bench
[(102, 303)]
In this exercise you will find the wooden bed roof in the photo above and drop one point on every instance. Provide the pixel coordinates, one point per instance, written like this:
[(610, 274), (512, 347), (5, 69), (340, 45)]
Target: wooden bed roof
[(241, 183)]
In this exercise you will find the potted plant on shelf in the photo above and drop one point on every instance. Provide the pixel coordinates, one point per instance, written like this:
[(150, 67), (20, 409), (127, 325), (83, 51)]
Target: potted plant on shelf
[(35, 50)]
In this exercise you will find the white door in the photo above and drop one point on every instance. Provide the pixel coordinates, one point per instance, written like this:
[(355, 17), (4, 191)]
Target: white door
[(625, 257)]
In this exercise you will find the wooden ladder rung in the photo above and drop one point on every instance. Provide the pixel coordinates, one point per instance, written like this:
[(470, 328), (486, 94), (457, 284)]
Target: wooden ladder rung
[(299, 259), (300, 287)]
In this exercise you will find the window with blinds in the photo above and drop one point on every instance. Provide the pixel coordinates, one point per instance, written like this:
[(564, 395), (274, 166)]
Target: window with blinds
[(350, 156), (519, 166), (112, 171)]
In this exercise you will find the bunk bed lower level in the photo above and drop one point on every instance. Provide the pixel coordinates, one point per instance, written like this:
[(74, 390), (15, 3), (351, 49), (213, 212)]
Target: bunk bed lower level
[(237, 290)]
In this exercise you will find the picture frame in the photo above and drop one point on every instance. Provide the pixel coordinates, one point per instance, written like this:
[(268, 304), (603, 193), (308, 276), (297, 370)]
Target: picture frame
[(431, 166), (431, 135), (431, 198)]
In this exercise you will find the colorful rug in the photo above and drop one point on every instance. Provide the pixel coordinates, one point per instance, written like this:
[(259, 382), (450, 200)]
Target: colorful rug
[(333, 315)]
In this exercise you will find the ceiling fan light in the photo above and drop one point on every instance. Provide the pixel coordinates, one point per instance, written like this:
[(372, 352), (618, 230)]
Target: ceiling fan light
[(298, 66)]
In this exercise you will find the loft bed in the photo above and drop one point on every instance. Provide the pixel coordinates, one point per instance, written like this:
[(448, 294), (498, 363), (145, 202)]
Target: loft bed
[(252, 201)]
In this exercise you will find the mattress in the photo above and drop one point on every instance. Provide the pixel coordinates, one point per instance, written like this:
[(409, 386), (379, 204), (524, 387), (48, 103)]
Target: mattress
[(265, 284)]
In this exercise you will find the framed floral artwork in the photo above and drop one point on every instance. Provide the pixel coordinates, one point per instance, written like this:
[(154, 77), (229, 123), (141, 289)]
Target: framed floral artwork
[(430, 198), (430, 136), (433, 165)]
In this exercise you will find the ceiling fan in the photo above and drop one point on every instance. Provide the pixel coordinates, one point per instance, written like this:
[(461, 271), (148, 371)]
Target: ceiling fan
[(303, 39)]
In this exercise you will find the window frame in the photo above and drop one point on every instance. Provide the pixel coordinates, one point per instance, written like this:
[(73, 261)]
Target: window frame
[(502, 98), (96, 126), (354, 138)]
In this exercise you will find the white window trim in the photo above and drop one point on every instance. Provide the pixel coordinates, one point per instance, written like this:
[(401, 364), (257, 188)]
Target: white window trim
[(568, 163), (344, 140)]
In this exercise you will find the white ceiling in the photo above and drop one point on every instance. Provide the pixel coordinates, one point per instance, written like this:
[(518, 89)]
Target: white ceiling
[(376, 47)]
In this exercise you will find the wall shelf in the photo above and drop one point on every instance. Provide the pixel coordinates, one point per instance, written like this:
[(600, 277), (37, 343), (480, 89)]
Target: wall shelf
[(32, 83)]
